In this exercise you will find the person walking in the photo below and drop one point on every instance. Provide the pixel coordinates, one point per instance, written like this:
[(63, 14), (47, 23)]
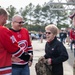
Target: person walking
[(21, 67), (55, 51), (72, 37), (72, 32), (8, 46), (62, 36)]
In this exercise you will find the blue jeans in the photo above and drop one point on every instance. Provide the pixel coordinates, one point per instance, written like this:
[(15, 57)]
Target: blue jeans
[(72, 42), (24, 70)]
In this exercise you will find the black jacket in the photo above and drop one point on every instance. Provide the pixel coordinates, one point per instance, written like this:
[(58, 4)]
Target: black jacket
[(57, 52)]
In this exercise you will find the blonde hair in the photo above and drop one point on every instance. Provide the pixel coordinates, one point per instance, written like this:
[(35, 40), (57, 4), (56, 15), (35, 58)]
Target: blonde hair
[(53, 28)]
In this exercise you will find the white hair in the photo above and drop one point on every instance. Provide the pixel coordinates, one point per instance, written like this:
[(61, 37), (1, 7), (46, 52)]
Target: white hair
[(17, 15)]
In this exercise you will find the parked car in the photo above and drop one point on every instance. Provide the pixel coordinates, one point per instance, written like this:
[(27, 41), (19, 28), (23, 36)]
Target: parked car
[(34, 36)]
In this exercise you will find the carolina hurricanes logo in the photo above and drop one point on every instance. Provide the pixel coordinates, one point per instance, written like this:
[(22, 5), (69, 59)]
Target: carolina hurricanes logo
[(23, 44)]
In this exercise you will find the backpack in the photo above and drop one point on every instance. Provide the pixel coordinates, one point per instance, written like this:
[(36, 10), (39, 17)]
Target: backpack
[(42, 68)]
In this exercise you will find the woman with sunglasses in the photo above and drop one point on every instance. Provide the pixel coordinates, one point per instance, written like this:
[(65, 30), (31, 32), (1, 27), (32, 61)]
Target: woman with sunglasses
[(55, 52)]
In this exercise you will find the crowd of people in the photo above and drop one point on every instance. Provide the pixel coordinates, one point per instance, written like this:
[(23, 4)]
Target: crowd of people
[(16, 51)]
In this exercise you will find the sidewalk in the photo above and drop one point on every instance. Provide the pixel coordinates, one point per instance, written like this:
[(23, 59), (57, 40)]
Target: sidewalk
[(68, 65), (38, 50)]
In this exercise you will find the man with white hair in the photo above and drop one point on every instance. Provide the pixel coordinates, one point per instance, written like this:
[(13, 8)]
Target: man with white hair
[(21, 67)]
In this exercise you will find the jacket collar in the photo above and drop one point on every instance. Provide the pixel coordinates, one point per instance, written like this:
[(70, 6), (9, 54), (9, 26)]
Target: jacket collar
[(15, 30), (51, 42)]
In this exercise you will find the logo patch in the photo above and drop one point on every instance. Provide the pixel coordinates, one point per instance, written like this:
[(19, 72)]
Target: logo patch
[(23, 44), (13, 39)]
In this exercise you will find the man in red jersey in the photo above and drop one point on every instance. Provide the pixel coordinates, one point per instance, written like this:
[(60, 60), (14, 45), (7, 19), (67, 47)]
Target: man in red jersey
[(21, 67), (8, 46)]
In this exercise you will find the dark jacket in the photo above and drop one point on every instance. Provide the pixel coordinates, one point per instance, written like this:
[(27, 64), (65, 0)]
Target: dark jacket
[(57, 52), (62, 35)]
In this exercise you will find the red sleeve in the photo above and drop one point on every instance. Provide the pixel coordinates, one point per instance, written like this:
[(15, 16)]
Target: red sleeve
[(71, 34), (9, 43)]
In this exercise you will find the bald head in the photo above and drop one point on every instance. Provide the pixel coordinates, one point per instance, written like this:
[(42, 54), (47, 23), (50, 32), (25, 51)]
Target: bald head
[(16, 18), (17, 22)]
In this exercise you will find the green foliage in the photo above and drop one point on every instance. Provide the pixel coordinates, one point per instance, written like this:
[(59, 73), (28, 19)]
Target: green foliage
[(35, 28), (62, 26), (8, 25), (36, 17), (12, 11)]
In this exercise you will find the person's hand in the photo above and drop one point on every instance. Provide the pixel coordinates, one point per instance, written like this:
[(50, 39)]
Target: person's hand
[(49, 61), (31, 57), (29, 63)]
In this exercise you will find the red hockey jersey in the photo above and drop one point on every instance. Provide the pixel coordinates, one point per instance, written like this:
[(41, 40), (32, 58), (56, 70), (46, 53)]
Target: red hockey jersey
[(72, 34), (8, 46), (23, 39)]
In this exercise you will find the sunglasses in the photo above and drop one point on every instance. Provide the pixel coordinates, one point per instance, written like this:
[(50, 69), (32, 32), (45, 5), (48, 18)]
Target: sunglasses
[(48, 32), (20, 22)]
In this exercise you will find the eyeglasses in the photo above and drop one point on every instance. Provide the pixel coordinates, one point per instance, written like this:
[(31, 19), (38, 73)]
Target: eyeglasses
[(48, 32), (20, 22)]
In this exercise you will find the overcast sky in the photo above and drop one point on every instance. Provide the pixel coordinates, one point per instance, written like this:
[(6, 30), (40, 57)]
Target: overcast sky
[(20, 3)]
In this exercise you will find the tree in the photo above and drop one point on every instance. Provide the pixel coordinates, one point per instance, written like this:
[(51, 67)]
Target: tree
[(12, 11), (27, 13), (37, 15), (55, 16), (41, 15)]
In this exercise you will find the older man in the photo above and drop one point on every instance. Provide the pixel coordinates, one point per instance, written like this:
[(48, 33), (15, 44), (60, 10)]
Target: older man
[(21, 67)]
